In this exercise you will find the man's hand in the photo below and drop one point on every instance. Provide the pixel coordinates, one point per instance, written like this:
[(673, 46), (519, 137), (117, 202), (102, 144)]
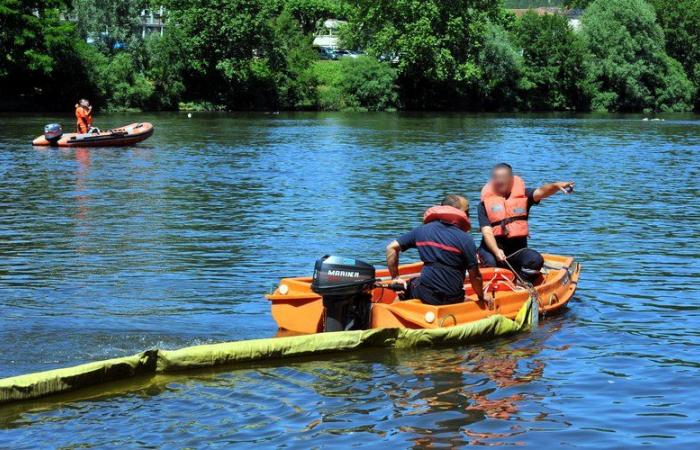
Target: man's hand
[(487, 300), (500, 255), (550, 189), (567, 187), (400, 281)]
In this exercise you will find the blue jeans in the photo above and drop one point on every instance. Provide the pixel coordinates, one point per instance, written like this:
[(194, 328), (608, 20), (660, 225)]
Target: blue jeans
[(429, 295)]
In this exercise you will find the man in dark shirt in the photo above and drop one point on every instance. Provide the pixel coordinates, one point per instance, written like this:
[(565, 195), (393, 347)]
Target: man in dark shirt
[(447, 253), (495, 250)]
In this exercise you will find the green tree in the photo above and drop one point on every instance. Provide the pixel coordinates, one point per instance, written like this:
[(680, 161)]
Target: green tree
[(629, 66), (436, 44), (309, 13), (555, 63), (36, 47), (230, 50), (111, 24), (245, 53), (500, 71), (294, 57), (680, 20), (164, 67)]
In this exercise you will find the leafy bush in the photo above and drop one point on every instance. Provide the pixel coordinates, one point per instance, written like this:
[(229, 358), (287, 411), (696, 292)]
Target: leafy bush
[(368, 84), (355, 84), (330, 96)]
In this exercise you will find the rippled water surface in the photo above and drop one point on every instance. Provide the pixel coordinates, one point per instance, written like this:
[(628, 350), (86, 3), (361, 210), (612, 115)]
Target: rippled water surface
[(107, 252)]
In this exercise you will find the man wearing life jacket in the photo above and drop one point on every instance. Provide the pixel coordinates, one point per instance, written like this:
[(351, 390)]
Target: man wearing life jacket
[(83, 115), (447, 251), (503, 218)]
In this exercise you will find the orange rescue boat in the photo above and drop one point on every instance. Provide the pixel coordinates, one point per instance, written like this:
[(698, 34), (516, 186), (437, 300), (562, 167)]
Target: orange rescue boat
[(297, 307), (117, 137)]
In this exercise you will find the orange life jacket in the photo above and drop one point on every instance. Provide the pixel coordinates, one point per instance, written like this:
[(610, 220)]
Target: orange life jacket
[(448, 214), (84, 119), (508, 216)]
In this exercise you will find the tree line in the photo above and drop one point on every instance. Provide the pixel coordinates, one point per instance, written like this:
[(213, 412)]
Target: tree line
[(627, 55)]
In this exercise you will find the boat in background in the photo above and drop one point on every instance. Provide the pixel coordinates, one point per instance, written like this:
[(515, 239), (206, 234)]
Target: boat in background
[(348, 294), (116, 137)]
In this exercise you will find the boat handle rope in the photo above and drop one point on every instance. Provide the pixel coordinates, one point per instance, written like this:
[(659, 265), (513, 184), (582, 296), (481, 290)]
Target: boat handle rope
[(530, 288), (442, 320)]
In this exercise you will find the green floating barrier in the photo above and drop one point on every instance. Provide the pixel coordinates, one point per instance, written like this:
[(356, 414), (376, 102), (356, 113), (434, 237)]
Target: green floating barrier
[(151, 362)]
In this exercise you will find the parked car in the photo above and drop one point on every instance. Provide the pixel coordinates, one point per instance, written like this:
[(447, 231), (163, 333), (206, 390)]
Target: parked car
[(326, 53), (392, 58), (348, 54)]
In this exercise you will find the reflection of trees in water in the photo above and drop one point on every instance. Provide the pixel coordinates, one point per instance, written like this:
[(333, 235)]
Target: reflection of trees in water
[(435, 395), (455, 387)]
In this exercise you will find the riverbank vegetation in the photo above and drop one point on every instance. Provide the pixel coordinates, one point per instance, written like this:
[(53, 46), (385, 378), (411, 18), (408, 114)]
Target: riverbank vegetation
[(623, 55)]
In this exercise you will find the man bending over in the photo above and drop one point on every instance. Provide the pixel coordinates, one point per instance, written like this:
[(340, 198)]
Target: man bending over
[(447, 251)]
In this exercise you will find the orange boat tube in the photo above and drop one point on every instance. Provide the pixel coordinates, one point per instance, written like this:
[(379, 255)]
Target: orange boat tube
[(117, 137), (296, 308)]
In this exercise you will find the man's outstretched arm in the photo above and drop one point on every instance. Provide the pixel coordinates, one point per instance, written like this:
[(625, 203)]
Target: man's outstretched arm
[(549, 189)]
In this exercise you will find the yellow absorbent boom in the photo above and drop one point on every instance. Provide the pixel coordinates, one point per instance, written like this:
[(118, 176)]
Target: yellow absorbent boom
[(152, 362)]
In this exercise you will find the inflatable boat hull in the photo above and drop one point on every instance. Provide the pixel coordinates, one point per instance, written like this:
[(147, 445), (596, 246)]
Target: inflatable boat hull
[(118, 137)]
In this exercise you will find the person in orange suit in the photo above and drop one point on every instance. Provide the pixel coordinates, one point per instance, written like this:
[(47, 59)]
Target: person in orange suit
[(83, 115)]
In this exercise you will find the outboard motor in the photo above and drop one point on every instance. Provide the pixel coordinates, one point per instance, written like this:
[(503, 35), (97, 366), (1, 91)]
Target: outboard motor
[(346, 287), (53, 132)]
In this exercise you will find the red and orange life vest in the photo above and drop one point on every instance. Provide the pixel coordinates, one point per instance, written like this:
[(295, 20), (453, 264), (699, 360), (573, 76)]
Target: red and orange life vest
[(83, 117), (448, 214), (508, 216)]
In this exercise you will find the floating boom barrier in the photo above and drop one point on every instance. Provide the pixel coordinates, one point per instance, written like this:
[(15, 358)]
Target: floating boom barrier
[(153, 362)]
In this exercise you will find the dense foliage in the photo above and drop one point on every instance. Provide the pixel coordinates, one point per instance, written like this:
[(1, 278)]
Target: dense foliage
[(554, 64), (437, 46), (629, 65), (629, 55), (680, 20), (355, 84)]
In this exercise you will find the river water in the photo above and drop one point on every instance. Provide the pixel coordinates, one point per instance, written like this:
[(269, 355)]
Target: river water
[(173, 242)]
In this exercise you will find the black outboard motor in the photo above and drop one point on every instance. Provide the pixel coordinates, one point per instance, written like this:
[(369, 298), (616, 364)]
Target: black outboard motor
[(346, 287), (53, 132)]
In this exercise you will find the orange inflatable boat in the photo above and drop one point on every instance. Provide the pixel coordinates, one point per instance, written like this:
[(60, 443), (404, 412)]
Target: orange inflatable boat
[(348, 294), (117, 137)]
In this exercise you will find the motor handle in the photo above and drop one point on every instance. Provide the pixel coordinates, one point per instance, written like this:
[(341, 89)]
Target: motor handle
[(396, 287)]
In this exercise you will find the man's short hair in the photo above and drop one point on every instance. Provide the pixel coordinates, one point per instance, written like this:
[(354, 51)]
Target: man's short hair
[(454, 200), (503, 166)]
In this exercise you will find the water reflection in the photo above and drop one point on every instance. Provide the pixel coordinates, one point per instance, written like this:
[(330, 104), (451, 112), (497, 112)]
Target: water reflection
[(82, 197)]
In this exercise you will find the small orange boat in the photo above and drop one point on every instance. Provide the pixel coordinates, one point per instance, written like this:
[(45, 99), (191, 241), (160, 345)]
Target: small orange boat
[(303, 305), (117, 137)]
